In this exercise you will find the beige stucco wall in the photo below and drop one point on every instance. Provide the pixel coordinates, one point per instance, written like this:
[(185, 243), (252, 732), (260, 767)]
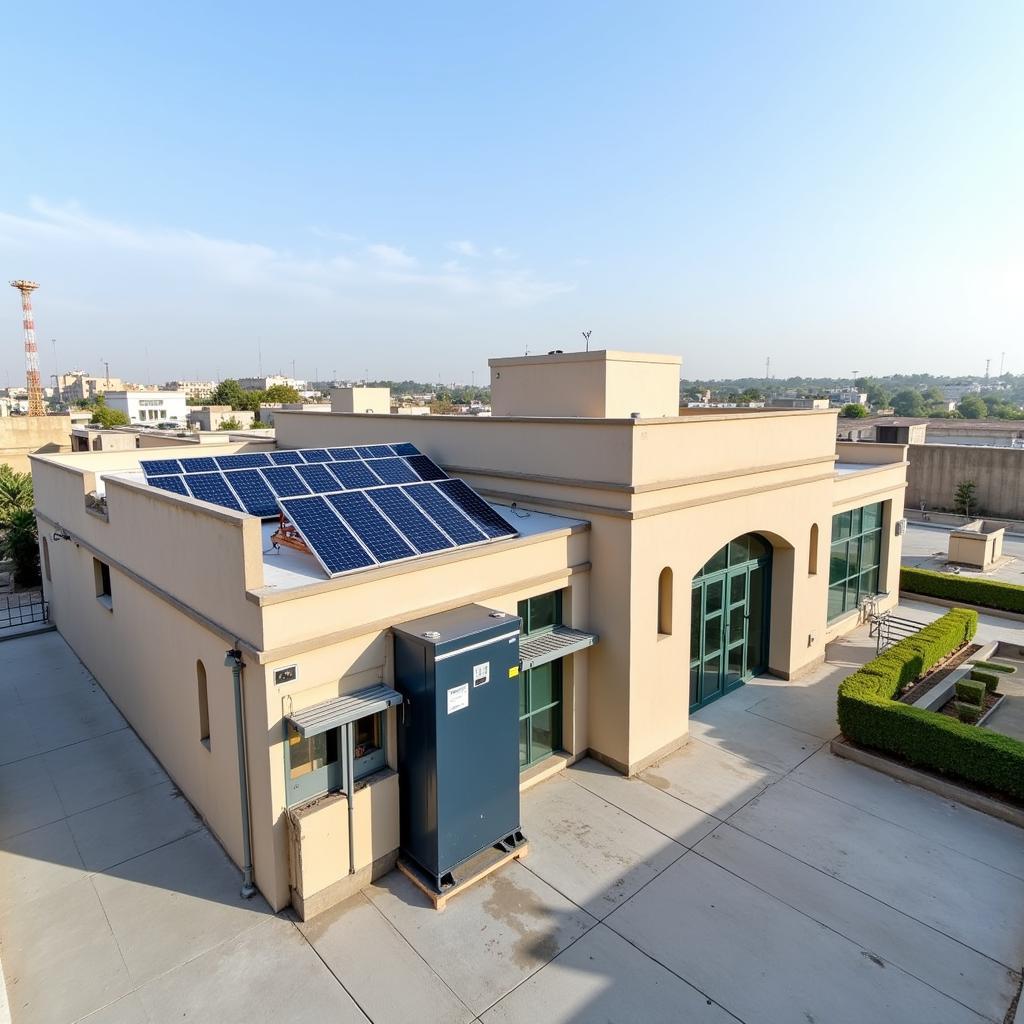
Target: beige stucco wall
[(361, 400), (21, 436), (600, 384), (998, 473)]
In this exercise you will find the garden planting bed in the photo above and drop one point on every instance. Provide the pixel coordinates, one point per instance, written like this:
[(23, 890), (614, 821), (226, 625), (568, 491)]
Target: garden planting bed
[(915, 691)]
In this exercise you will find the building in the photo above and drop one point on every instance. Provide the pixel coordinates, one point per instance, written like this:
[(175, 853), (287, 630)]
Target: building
[(268, 409), (659, 560), (262, 383), (213, 417), (848, 396), (79, 386), (798, 403), (361, 400), (195, 390), (149, 407)]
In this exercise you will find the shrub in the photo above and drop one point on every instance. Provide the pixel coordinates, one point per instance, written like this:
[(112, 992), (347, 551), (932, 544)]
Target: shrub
[(1007, 597), (869, 716), (987, 679), (969, 713), (971, 691), (20, 543), (995, 666)]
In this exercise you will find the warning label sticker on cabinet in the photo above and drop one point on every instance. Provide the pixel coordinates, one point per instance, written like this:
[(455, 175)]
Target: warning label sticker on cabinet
[(482, 674), (458, 698)]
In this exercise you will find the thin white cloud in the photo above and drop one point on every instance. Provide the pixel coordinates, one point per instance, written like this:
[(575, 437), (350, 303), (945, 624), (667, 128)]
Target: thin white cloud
[(391, 256), (175, 257), (464, 248)]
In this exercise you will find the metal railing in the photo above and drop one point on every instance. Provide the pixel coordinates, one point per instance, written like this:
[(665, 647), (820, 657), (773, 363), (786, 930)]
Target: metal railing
[(23, 609), (888, 629)]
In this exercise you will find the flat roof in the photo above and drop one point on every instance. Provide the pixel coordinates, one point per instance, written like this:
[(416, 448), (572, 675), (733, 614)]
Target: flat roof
[(288, 569)]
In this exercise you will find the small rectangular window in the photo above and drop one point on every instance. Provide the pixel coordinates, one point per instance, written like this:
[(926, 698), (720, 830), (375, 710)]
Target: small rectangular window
[(368, 745), (101, 574)]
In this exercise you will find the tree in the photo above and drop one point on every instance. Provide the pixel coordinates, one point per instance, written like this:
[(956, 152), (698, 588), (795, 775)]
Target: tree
[(282, 393), (15, 494), (230, 424), (972, 407), (854, 411), (442, 406), (20, 543), (908, 403), (108, 418), (228, 392), (964, 498)]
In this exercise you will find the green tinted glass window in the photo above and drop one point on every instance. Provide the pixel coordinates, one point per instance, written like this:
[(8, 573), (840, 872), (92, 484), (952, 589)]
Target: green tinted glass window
[(855, 558)]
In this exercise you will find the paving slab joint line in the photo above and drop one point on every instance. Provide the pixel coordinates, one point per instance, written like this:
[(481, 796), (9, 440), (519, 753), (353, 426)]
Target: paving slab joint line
[(871, 954), (415, 951), (868, 895), (906, 828), (654, 828), (598, 922)]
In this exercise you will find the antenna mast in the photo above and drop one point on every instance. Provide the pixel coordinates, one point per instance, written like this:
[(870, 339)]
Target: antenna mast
[(35, 387)]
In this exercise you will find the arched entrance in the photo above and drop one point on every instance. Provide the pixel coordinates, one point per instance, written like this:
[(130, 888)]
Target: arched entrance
[(729, 618)]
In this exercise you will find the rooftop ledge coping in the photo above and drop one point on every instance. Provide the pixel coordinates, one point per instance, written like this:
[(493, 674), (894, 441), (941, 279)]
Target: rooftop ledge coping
[(694, 416)]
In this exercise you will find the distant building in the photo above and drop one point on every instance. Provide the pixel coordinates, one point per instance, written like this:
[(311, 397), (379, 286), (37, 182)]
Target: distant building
[(798, 403), (195, 390), (262, 383), (847, 396), (149, 407), (79, 386), (213, 417)]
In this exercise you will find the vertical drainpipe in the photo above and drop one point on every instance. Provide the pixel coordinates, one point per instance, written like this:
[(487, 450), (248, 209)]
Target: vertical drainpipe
[(233, 660), (348, 734)]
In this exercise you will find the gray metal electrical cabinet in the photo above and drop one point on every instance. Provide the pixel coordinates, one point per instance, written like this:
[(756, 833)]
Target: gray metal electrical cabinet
[(458, 737)]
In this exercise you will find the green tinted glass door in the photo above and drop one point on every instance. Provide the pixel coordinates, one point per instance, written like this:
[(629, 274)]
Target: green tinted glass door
[(728, 622)]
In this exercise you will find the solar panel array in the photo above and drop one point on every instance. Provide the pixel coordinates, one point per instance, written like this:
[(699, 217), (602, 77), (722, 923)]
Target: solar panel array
[(355, 507)]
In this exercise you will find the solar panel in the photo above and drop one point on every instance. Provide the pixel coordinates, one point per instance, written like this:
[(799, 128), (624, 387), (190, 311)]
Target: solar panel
[(327, 536), (476, 508), (285, 458), (444, 513), (426, 469), (200, 464), (354, 476), (160, 467), (375, 451), (211, 487), (256, 497), (315, 454), (408, 517), (404, 448), (317, 479), (245, 460), (394, 471), (343, 454), (169, 483), (384, 542), (284, 481)]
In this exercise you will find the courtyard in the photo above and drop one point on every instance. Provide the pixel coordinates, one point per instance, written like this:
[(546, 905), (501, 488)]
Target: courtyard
[(751, 876)]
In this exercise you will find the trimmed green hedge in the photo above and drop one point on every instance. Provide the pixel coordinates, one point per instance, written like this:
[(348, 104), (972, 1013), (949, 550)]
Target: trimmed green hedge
[(1007, 597), (869, 715), (988, 679)]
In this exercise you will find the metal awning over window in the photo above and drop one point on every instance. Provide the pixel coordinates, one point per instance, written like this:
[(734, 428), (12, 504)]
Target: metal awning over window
[(330, 714), (540, 648)]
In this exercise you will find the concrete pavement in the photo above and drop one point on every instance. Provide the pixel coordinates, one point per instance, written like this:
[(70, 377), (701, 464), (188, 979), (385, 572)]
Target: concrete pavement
[(750, 877)]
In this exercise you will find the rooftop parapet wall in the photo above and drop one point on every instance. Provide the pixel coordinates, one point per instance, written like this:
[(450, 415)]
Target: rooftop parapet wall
[(620, 454)]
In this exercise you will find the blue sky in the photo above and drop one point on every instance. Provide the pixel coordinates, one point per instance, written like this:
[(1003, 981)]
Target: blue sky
[(407, 189)]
